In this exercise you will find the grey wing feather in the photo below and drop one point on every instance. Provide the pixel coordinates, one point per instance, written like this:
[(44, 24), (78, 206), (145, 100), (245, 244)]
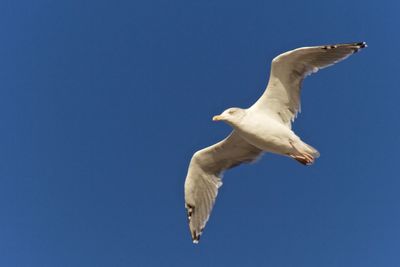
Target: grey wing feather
[(288, 70), (204, 177)]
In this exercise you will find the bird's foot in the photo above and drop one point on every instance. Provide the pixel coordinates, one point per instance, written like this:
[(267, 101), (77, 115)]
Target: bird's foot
[(305, 158)]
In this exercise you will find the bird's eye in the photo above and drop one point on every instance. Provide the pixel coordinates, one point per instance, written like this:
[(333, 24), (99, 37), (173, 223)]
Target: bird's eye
[(231, 112)]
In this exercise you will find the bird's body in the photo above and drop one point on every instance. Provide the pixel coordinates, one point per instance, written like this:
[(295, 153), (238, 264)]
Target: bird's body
[(264, 127), (267, 134)]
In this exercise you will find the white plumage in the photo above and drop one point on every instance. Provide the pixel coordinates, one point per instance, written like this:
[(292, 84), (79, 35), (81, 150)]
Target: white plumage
[(264, 127)]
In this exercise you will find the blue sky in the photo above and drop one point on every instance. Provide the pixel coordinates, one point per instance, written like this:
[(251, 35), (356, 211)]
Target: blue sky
[(102, 104)]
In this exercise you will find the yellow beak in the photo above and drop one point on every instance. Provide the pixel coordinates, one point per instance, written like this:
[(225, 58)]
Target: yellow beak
[(217, 118)]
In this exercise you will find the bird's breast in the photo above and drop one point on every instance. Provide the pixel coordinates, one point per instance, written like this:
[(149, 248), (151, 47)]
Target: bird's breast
[(265, 133)]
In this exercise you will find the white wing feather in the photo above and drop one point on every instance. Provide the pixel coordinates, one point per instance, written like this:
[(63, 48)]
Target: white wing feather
[(204, 177), (288, 70)]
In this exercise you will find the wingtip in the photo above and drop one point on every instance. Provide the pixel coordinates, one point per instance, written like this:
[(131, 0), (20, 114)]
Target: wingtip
[(362, 44), (355, 46), (195, 237), (195, 234), (359, 46)]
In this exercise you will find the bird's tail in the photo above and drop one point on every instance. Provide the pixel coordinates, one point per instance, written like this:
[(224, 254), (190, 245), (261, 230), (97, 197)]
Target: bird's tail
[(312, 151)]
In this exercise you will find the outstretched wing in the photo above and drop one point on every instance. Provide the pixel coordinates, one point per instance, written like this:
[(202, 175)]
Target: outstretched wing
[(204, 177), (288, 70)]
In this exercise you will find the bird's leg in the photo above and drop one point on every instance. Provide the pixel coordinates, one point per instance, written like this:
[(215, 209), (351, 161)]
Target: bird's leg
[(305, 160)]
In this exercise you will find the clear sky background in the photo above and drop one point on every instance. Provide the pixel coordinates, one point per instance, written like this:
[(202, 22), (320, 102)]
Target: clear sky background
[(102, 104)]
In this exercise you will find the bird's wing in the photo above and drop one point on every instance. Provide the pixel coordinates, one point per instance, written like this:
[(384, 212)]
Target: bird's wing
[(204, 177), (288, 70)]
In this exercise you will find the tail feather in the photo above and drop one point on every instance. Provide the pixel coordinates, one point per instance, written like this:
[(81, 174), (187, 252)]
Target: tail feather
[(312, 151)]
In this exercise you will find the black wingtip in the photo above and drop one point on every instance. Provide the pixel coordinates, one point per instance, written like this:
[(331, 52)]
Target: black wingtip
[(355, 46), (196, 239), (362, 44), (359, 46), (195, 235)]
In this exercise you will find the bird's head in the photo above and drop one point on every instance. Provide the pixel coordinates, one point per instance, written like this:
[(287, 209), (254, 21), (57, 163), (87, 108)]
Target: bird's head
[(231, 115)]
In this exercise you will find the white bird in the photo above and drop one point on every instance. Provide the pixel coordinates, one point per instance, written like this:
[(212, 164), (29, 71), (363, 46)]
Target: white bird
[(264, 127)]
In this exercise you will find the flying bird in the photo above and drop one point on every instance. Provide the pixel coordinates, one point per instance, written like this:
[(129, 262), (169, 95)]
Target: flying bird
[(266, 126)]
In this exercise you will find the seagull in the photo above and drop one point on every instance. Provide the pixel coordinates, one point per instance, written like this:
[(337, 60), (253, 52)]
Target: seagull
[(266, 126)]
